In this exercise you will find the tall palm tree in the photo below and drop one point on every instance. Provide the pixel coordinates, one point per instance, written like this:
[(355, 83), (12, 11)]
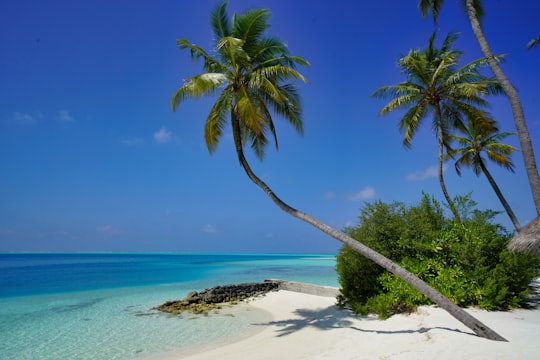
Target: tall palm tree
[(249, 70), (435, 86), (475, 141), (474, 11)]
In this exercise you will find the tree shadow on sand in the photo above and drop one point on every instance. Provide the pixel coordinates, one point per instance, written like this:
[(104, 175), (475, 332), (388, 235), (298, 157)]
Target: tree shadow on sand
[(334, 318)]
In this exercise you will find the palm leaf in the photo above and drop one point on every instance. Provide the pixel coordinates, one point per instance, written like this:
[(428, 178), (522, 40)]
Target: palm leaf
[(250, 26), (196, 52), (410, 122), (231, 51), (217, 119), (534, 43), (434, 5), (220, 21), (197, 86)]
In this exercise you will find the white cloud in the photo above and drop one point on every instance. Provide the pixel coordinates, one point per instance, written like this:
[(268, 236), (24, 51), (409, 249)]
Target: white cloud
[(25, 118), (209, 229), (329, 195), (162, 136), (365, 194), (110, 230), (65, 116), (428, 173), (131, 141), (351, 223)]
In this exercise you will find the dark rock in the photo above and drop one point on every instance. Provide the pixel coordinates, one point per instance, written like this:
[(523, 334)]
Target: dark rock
[(214, 298)]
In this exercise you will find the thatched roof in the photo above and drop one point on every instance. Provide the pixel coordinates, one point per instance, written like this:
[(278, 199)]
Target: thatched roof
[(528, 239)]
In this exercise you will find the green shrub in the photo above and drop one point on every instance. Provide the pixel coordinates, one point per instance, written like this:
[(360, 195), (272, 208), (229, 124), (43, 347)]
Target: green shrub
[(467, 262), (382, 224)]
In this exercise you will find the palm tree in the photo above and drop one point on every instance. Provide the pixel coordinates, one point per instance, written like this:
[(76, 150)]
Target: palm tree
[(476, 140), (435, 86), (474, 11), (249, 70)]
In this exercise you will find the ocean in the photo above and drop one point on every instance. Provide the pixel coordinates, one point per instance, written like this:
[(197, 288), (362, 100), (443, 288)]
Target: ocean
[(99, 306)]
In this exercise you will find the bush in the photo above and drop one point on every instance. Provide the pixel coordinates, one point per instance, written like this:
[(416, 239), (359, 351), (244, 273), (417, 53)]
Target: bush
[(467, 262)]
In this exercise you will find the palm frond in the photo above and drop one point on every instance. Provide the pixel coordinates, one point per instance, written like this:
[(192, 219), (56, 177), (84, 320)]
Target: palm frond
[(404, 95), (258, 142), (263, 110), (217, 119), (251, 25), (413, 65), (231, 51), (196, 52), (448, 41), (219, 20), (288, 105), (410, 122), (267, 48), (434, 5), (277, 73), (197, 86), (247, 111), (534, 43), (402, 89)]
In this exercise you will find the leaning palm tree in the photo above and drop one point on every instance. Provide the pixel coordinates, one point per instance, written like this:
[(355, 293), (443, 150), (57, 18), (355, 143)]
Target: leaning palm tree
[(476, 140), (435, 86), (474, 11), (249, 70)]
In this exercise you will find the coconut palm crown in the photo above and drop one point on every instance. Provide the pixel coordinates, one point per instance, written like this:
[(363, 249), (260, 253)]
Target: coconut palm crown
[(248, 69), (477, 140), (436, 86)]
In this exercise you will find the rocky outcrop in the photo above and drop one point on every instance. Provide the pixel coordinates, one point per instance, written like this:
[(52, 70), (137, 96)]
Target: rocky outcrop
[(215, 297)]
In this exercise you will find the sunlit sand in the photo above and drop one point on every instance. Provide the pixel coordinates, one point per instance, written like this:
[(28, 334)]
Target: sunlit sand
[(305, 326)]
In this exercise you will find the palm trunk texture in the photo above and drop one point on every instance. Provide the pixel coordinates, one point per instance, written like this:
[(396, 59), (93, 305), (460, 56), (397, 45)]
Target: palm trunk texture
[(468, 320), (440, 166), (503, 201), (515, 103)]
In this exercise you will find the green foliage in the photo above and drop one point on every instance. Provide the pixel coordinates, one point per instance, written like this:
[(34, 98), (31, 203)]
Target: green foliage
[(253, 76), (467, 262)]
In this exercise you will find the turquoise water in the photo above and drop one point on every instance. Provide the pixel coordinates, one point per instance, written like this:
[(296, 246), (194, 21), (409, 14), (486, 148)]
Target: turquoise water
[(100, 306)]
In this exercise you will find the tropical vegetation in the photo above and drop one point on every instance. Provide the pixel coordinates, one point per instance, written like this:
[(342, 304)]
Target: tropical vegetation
[(250, 71), (476, 140), (436, 87), (475, 13), (468, 262)]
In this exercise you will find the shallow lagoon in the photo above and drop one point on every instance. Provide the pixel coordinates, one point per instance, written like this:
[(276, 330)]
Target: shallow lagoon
[(99, 306)]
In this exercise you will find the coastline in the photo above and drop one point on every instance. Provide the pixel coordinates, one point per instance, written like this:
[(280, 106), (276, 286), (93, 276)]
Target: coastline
[(308, 326)]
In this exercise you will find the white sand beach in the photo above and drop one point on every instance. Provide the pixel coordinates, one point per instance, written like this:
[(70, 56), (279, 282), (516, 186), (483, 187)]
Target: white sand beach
[(307, 326)]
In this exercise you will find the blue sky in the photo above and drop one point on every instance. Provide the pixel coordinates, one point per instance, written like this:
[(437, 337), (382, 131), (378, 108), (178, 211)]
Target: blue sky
[(93, 159)]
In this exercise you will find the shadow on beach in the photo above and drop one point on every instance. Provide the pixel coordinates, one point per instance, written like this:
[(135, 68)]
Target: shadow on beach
[(333, 317)]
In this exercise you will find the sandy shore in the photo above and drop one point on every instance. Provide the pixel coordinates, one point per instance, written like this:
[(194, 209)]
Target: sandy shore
[(307, 326)]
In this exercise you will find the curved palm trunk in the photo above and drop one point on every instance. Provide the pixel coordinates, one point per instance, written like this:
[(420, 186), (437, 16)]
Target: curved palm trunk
[(503, 201), (478, 327), (440, 166), (515, 103)]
